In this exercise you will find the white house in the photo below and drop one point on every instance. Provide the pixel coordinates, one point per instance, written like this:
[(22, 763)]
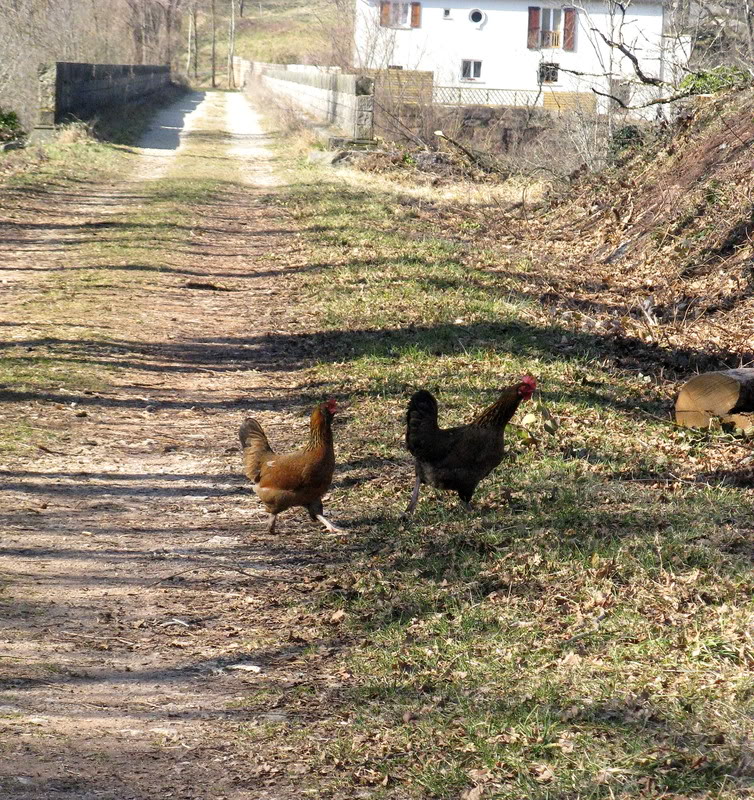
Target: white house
[(533, 54)]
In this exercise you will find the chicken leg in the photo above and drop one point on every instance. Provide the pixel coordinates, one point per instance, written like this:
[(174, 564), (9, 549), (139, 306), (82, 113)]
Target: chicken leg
[(414, 498), (464, 495)]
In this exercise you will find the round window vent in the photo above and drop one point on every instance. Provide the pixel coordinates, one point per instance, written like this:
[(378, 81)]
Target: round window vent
[(476, 16)]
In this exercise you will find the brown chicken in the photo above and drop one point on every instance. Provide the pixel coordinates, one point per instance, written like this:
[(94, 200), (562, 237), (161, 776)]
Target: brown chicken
[(457, 459), (301, 478)]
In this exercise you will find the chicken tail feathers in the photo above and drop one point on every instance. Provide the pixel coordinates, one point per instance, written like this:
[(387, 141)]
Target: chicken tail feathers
[(421, 422), (251, 434), (255, 445)]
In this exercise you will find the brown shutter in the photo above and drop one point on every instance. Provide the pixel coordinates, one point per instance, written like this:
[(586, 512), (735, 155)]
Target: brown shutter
[(416, 15), (569, 29), (384, 13), (532, 41)]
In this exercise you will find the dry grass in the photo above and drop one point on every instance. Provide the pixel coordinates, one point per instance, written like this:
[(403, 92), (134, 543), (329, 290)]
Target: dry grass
[(586, 633), (665, 240), (423, 186)]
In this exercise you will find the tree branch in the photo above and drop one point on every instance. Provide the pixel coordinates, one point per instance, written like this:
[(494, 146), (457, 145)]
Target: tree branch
[(657, 102), (632, 58)]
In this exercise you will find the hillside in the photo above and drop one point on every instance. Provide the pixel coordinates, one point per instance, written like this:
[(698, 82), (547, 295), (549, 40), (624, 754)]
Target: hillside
[(659, 247), (286, 31), (279, 31)]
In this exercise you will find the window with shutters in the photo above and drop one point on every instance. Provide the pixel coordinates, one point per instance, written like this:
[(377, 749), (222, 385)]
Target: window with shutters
[(548, 72), (471, 70), (550, 28), (400, 15)]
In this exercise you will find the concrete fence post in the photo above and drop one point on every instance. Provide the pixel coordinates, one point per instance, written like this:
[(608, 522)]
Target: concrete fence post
[(47, 83)]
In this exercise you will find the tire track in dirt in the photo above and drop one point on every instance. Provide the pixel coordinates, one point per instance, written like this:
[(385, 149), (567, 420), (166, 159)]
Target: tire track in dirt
[(134, 565)]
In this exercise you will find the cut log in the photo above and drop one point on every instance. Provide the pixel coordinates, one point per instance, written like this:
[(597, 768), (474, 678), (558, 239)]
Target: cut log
[(727, 396)]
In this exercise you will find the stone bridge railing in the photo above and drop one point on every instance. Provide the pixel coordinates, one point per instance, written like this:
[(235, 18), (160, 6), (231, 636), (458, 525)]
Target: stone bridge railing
[(343, 102), (72, 89)]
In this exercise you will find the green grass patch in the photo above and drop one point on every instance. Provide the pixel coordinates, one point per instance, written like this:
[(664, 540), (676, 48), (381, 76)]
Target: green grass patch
[(285, 32), (82, 151), (586, 632), (280, 31), (68, 160)]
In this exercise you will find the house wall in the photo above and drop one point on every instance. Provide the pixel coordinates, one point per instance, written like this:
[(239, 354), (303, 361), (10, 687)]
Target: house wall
[(500, 43)]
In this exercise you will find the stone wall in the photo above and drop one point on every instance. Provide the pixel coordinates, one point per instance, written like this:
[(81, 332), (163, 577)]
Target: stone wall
[(67, 88), (343, 102)]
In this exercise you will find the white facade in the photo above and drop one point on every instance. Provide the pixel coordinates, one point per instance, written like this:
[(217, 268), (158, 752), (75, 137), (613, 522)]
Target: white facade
[(485, 44)]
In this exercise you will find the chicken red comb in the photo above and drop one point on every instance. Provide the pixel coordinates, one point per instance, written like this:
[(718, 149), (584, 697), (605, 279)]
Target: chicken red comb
[(331, 404), (530, 381)]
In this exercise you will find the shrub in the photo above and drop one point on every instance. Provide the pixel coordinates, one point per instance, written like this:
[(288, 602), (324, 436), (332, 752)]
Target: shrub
[(624, 142), (10, 127), (715, 80)]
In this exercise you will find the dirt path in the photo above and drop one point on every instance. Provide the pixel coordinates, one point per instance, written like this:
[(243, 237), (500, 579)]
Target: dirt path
[(154, 642)]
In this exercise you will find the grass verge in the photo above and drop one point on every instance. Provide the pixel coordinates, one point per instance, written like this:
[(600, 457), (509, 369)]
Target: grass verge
[(587, 632)]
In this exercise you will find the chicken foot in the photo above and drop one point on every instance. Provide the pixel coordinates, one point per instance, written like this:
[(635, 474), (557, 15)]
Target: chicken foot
[(317, 513), (464, 496), (329, 525)]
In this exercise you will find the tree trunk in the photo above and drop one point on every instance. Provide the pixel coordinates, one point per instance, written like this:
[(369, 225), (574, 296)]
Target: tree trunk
[(172, 10), (749, 20), (214, 44), (188, 45), (727, 396), (194, 17), (231, 44)]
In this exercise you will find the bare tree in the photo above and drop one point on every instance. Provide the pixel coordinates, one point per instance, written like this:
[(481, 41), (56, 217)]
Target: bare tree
[(195, 18), (190, 39), (231, 43), (720, 32), (171, 10), (214, 42), (98, 31)]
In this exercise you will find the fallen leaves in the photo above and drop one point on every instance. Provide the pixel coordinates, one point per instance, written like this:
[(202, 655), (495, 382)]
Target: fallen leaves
[(542, 773)]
